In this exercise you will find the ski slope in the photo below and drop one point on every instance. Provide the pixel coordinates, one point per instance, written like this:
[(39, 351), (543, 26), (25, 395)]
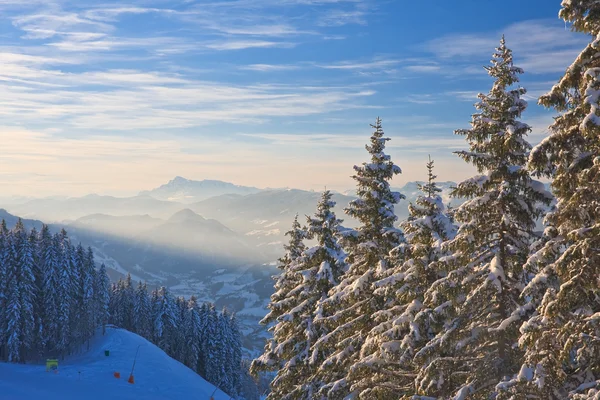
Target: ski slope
[(90, 375)]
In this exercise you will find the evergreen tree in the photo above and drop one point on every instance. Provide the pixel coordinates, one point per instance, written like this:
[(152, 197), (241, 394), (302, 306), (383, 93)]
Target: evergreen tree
[(561, 339), (237, 371), (64, 292), (87, 290), (214, 360), (225, 354), (204, 314), (277, 350), (349, 309), (386, 369), (164, 319), (485, 274), (320, 268), (3, 287), (114, 305), (20, 295), (126, 304), (192, 326), (102, 295), (49, 291), (38, 306), (142, 311)]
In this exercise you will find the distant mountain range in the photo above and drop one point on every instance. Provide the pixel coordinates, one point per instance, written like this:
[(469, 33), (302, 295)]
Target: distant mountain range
[(189, 191), (213, 239)]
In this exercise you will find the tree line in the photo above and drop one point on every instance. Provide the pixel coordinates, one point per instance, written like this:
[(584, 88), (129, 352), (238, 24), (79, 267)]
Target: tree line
[(53, 300), (51, 297), (197, 335), (468, 303)]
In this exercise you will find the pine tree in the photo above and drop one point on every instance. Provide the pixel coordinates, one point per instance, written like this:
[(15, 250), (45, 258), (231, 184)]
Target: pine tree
[(75, 258), (142, 311), (485, 274), (49, 290), (278, 350), (204, 338), (561, 339), (102, 296), (164, 319), (192, 326), (64, 292), (3, 288), (226, 354), (320, 268), (386, 369), (88, 273), (214, 360), (114, 304), (20, 296), (38, 306), (237, 370), (126, 304), (351, 304)]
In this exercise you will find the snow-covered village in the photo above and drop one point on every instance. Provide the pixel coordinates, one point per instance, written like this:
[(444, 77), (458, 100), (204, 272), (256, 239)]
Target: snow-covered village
[(300, 200)]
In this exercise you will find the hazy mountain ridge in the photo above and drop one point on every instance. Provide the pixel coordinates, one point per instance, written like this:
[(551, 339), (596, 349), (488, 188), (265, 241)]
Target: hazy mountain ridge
[(190, 191), (218, 248), (59, 210)]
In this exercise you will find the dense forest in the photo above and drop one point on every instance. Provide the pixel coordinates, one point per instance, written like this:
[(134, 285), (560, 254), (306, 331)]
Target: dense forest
[(53, 300), (468, 303)]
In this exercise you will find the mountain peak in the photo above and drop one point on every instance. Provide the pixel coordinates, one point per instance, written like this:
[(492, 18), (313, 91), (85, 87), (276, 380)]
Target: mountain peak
[(190, 191), (186, 215), (179, 180)]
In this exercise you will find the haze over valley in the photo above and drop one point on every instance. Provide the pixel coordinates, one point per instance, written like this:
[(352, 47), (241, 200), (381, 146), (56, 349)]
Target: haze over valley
[(207, 238)]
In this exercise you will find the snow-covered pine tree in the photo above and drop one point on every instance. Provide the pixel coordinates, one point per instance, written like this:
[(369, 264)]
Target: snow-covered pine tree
[(38, 307), (88, 272), (20, 295), (164, 318), (236, 361), (127, 304), (349, 309), (562, 340), (114, 304), (102, 297), (64, 293), (192, 326), (485, 273), (386, 369), (204, 327), (3, 287), (214, 360), (319, 269), (279, 350), (179, 344), (142, 311), (49, 290), (226, 354)]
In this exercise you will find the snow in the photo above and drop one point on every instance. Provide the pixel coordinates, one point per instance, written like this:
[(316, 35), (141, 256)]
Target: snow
[(90, 375)]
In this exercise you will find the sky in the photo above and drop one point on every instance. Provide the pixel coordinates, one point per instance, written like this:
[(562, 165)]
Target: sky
[(119, 97)]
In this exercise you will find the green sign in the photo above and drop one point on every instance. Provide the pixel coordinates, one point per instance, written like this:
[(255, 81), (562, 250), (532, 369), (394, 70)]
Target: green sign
[(51, 365)]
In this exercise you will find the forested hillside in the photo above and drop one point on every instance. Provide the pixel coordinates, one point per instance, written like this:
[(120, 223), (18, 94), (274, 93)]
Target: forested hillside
[(53, 298)]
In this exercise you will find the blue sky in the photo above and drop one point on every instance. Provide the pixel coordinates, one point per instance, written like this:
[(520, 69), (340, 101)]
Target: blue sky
[(119, 97)]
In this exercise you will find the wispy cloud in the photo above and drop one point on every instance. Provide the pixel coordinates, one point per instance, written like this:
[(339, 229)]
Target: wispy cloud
[(427, 68), (269, 67), (540, 46), (247, 44), (353, 65)]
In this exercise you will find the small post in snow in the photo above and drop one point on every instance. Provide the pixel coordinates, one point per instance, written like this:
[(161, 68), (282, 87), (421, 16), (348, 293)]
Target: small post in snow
[(131, 379)]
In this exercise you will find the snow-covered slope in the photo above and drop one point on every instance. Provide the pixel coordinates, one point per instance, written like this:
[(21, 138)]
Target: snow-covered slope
[(90, 375)]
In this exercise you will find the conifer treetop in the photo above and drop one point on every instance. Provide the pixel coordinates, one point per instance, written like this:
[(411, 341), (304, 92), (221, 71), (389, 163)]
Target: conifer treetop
[(374, 207)]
